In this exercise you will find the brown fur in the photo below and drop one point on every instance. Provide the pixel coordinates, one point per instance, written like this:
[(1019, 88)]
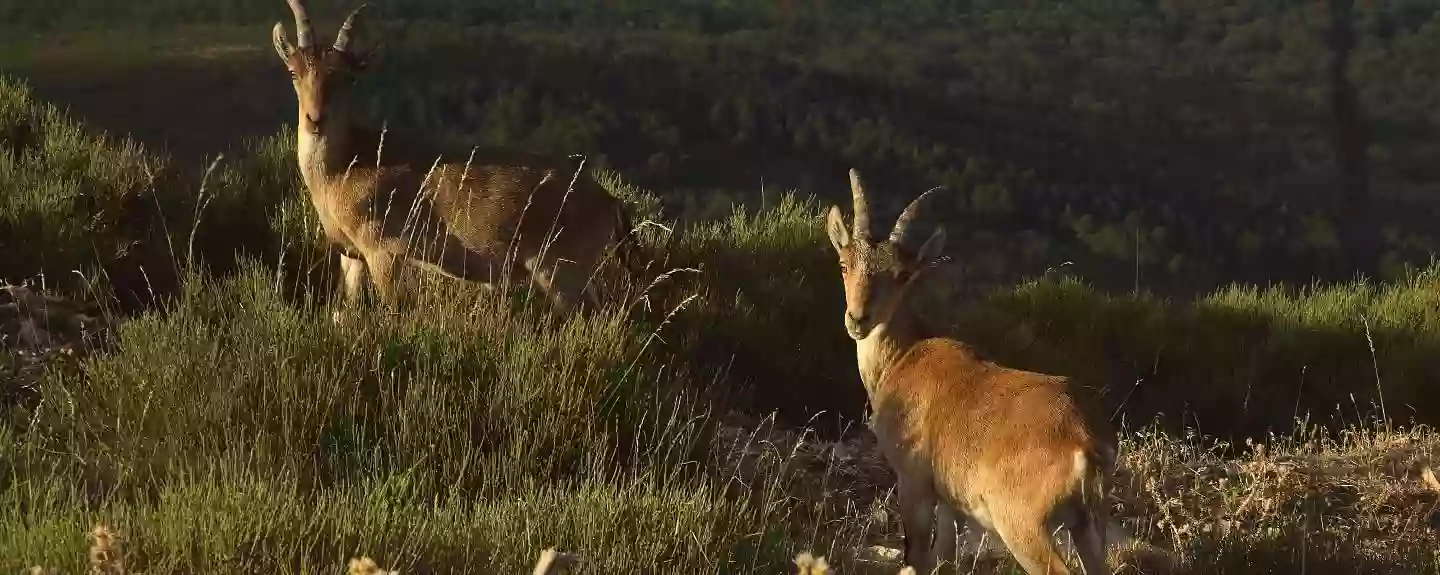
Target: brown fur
[(1009, 450), (497, 216)]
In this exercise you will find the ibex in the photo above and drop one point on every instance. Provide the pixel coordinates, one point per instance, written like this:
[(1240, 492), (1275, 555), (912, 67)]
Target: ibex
[(1010, 450), (383, 206)]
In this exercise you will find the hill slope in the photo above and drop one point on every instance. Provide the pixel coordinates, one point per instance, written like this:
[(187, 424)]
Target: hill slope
[(233, 427)]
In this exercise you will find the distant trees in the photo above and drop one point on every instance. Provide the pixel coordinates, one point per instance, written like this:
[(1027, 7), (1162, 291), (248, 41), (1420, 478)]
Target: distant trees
[(1269, 140), (1351, 139)]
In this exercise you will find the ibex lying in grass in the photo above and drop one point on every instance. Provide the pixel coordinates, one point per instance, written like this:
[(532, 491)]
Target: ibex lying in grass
[(519, 219), (1008, 449)]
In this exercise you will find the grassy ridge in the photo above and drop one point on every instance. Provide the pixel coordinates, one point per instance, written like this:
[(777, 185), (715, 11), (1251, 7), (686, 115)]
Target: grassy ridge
[(1243, 361), (459, 436), (1240, 360)]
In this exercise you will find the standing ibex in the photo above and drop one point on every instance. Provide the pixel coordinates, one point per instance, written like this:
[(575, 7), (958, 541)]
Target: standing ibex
[(1011, 450), (385, 206)]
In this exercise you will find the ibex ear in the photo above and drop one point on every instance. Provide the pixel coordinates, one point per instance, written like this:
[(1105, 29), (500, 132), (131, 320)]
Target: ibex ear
[(363, 61), (931, 249), (283, 47), (835, 227)]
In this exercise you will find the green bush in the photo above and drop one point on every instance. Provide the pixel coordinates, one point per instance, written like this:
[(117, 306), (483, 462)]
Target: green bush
[(71, 201)]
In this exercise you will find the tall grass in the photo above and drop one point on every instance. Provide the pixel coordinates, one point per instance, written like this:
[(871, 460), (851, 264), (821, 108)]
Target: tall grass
[(1241, 362), (239, 431), (236, 427), (1238, 362)]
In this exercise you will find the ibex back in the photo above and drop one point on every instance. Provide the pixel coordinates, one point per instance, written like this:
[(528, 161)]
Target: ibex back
[(1010, 450), (386, 205)]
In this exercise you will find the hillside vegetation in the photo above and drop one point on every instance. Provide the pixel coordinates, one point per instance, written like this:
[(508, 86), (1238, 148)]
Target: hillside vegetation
[(235, 427), (708, 418)]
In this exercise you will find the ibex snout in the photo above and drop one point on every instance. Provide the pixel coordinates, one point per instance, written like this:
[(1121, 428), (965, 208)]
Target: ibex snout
[(315, 122), (858, 325)]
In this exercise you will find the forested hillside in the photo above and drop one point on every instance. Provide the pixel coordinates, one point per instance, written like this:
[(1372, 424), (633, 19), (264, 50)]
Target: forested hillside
[(1165, 145)]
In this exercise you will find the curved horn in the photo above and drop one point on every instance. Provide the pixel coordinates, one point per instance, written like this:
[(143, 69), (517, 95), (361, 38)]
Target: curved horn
[(862, 210), (282, 46), (342, 39), (304, 35), (897, 235)]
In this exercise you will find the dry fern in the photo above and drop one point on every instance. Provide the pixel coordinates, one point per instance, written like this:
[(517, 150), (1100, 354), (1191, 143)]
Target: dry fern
[(106, 556), (366, 566), (807, 564)]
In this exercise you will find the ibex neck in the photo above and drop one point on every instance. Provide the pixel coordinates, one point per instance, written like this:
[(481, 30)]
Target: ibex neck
[(885, 345), (327, 155)]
